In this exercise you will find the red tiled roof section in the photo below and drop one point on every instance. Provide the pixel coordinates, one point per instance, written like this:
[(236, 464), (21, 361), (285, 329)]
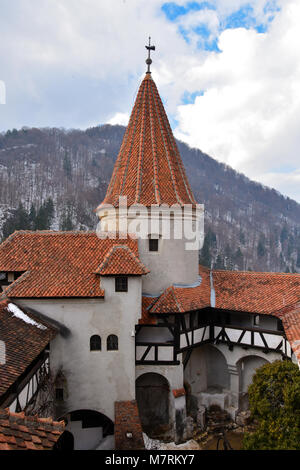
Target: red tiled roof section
[(147, 318), (57, 264), (290, 317), (255, 292), (121, 260), (149, 169), (184, 299), (23, 342), (128, 428), (20, 432)]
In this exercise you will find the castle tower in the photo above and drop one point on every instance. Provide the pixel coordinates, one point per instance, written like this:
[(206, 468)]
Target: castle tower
[(150, 174)]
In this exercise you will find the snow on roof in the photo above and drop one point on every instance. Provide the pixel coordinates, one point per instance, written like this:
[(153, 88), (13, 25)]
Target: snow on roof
[(17, 312)]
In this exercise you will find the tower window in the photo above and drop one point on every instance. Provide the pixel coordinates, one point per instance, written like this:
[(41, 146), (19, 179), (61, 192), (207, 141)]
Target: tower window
[(59, 394), (153, 244), (95, 343), (122, 284), (112, 343)]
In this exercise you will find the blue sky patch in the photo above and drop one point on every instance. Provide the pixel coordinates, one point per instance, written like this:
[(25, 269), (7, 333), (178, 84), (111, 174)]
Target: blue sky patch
[(189, 98), (242, 18), (172, 10)]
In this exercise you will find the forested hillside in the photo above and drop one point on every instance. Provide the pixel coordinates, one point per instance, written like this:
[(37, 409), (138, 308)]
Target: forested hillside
[(52, 178)]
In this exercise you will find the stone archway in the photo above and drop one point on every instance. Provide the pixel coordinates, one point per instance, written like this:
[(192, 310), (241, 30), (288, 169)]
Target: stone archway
[(207, 370), (247, 367), (153, 399), (207, 379), (90, 430)]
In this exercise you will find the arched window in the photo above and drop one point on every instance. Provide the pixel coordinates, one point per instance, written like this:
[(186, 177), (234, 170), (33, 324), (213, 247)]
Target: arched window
[(95, 343), (112, 343)]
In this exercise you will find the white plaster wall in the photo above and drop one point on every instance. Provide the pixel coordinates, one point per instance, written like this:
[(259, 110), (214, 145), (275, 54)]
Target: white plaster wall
[(85, 439), (173, 374), (154, 334), (232, 357), (247, 368), (173, 263), (95, 380)]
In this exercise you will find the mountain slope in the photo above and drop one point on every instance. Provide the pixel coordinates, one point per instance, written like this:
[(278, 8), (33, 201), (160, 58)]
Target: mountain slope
[(247, 225)]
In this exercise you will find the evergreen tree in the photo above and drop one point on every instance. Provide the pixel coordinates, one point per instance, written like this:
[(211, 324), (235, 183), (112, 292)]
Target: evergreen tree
[(219, 262), (67, 166), (45, 215), (228, 258), (32, 217), (298, 259), (274, 398), (284, 234), (18, 220), (66, 224), (210, 243), (238, 258), (242, 238), (261, 249)]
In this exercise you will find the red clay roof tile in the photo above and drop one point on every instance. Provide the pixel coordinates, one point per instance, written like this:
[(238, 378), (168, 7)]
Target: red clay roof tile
[(23, 342), (149, 169), (58, 264), (121, 260), (12, 423)]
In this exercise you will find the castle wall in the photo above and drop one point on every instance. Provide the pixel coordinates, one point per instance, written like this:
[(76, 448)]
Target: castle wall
[(95, 379), (176, 261)]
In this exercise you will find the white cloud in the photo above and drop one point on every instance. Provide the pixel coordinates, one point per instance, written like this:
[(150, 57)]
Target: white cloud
[(119, 118), (249, 114), (77, 63)]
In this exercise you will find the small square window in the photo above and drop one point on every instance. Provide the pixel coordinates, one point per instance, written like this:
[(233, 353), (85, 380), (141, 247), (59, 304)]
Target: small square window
[(122, 284), (153, 244), (59, 394)]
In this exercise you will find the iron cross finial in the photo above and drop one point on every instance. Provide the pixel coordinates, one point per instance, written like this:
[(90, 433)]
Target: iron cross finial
[(149, 60)]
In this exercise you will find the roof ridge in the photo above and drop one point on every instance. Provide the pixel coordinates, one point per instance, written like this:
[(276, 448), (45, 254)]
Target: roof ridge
[(105, 263), (253, 272), (16, 282), (10, 414)]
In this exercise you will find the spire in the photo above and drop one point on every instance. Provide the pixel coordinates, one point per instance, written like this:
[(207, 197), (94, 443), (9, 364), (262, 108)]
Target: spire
[(149, 169), (149, 60)]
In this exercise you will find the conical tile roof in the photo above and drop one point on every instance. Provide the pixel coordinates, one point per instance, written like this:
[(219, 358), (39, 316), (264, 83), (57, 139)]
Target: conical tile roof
[(149, 169)]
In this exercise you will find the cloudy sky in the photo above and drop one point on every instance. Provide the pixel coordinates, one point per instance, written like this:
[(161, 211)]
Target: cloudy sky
[(228, 72)]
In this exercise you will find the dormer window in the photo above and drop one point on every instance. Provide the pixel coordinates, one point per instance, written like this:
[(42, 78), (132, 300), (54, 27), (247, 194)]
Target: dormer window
[(153, 244), (121, 284)]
